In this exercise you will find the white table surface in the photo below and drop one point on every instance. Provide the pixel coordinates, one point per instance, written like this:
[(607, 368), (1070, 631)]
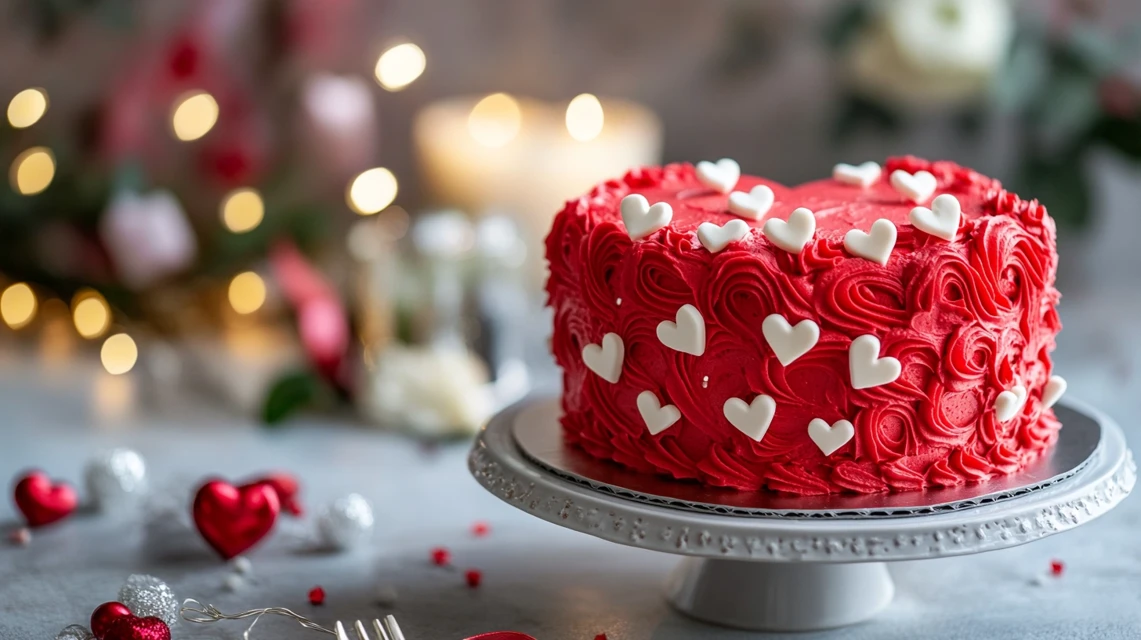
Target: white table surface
[(537, 578)]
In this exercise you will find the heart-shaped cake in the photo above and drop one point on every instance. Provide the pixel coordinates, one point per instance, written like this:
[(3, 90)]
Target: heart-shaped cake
[(908, 338)]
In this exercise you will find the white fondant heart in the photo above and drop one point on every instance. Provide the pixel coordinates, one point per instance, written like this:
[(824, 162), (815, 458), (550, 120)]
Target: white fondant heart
[(721, 176), (794, 234), (687, 334), (605, 360), (789, 342), (1053, 391), (656, 417), (641, 219), (918, 187), (1009, 403), (876, 245), (867, 368), (752, 205), (715, 238), (941, 220), (752, 419), (862, 175), (830, 438)]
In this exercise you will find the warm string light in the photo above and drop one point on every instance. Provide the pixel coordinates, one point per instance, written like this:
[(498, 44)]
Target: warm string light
[(27, 107), (194, 115), (399, 66), (32, 171), (247, 292), (18, 305), (119, 354), (584, 117), (372, 191), (242, 210), (90, 313), (495, 120)]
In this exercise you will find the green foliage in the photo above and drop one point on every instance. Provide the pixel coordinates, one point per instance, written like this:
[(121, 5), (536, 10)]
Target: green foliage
[(293, 392)]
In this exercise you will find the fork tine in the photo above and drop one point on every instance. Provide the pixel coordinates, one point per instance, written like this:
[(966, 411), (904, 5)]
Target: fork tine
[(340, 631), (381, 634), (361, 633), (393, 628)]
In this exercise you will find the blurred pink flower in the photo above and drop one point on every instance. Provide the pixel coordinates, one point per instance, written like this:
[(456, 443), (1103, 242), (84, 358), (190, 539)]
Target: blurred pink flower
[(147, 237)]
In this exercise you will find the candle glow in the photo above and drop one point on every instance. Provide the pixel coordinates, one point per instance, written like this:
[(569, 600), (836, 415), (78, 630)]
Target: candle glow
[(90, 314), (119, 354), (372, 191), (495, 120), (242, 210), (32, 171), (585, 118), (18, 305), (247, 292)]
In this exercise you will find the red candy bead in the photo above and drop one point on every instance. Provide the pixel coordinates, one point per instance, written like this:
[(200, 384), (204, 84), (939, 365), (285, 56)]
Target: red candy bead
[(107, 614), (601, 636), (1056, 568), (316, 596), (441, 556), (480, 529), (473, 577)]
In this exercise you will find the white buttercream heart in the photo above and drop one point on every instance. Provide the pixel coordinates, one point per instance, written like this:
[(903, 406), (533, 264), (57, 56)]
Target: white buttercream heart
[(656, 417), (1053, 391), (721, 176), (605, 360), (752, 205), (867, 368), (715, 238), (875, 246), (862, 175), (918, 187), (794, 234), (789, 342), (830, 438), (687, 334), (1009, 403), (752, 419), (641, 219), (941, 220)]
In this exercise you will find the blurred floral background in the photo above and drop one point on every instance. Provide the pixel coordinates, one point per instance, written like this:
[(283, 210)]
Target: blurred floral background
[(337, 205)]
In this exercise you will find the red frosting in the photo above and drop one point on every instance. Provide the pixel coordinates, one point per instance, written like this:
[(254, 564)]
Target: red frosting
[(967, 320)]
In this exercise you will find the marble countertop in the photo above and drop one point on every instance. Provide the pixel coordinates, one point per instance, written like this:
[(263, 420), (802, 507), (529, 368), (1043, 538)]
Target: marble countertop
[(538, 578)]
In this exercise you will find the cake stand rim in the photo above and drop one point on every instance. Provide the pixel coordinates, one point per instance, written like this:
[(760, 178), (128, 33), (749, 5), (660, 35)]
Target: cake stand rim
[(499, 465)]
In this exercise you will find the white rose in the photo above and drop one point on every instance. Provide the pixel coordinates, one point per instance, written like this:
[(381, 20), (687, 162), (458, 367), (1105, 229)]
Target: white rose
[(147, 236)]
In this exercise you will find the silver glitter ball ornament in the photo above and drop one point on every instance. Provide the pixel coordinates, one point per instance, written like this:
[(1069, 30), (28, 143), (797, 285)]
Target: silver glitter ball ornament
[(115, 479), (346, 523), (148, 596), (75, 632)]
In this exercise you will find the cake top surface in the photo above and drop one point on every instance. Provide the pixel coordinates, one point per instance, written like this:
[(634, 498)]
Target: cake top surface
[(838, 207)]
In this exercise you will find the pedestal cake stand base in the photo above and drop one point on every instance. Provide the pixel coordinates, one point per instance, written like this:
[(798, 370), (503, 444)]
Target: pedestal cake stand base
[(763, 561)]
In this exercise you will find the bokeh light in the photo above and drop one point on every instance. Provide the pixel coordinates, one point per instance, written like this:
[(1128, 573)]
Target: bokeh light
[(32, 171), (18, 305), (242, 210), (247, 292), (372, 191), (399, 66), (119, 354), (27, 107), (495, 120), (585, 117), (90, 313), (194, 115)]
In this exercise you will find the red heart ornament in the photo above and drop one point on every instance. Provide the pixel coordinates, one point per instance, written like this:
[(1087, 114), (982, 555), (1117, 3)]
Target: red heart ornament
[(43, 502), (114, 621), (233, 519)]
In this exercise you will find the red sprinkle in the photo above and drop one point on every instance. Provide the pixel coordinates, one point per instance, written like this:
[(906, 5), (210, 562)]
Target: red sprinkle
[(441, 556), (473, 577), (480, 529), (1056, 568), (316, 596), (601, 636)]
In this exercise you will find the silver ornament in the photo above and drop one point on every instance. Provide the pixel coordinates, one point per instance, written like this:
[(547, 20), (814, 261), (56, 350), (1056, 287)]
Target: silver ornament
[(346, 523), (148, 596), (75, 632), (115, 479)]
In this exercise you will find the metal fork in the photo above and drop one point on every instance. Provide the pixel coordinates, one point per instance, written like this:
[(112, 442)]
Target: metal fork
[(387, 631)]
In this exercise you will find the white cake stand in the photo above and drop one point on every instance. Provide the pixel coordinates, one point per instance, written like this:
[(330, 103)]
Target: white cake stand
[(766, 562)]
